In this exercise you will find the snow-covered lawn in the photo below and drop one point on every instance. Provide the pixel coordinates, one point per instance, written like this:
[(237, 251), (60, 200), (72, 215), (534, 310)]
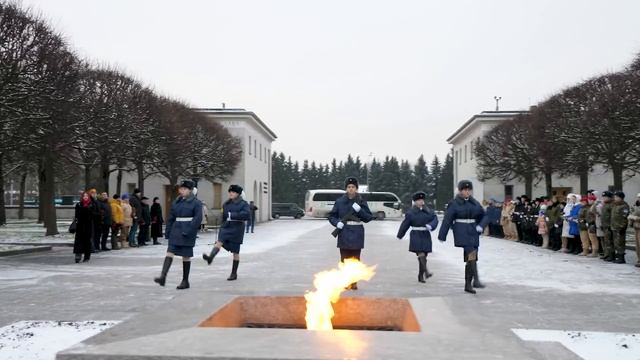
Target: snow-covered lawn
[(589, 345), (41, 340)]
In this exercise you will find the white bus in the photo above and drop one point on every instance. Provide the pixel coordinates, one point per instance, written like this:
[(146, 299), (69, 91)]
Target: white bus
[(318, 203)]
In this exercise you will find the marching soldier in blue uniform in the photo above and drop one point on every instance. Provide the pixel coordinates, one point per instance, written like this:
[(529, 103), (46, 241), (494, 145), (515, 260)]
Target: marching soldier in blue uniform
[(347, 215), (181, 230), (235, 212), (422, 221), (467, 218)]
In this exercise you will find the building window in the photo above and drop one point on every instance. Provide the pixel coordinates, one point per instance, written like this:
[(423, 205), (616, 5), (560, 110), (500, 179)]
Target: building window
[(260, 152), (471, 151), (255, 147), (249, 144), (465, 153)]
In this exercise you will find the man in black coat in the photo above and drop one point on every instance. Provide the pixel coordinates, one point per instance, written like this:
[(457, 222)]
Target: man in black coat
[(105, 216), (144, 221), (136, 207)]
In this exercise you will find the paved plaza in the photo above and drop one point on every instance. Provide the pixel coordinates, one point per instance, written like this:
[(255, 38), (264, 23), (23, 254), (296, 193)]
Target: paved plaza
[(538, 304)]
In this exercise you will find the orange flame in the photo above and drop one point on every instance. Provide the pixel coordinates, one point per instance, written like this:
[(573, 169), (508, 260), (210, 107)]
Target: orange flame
[(329, 285)]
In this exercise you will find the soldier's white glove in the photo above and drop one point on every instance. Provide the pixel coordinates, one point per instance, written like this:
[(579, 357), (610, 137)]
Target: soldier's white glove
[(356, 207), (229, 217), (340, 225), (555, 225), (429, 227), (479, 229)]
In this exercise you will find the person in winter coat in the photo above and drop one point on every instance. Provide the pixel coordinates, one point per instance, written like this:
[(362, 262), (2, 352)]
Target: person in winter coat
[(235, 211), (116, 220), (251, 224), (543, 229), (84, 216), (566, 223), (106, 218), (145, 222), (619, 223), (634, 219), (205, 217), (156, 221), (347, 215), (136, 206), (467, 219), (575, 244), (583, 224), (605, 219), (592, 227), (127, 220), (508, 227), (182, 228), (422, 221), (554, 224)]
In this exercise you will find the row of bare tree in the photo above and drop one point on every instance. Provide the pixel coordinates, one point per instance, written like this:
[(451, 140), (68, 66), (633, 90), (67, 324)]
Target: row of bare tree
[(596, 122), (59, 112)]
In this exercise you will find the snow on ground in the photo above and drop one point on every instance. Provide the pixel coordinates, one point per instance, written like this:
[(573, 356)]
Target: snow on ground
[(31, 233), (41, 340), (587, 344), (513, 263)]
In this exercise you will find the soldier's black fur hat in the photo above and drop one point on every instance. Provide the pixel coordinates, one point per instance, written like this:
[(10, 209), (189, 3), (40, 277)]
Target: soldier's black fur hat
[(607, 193), (351, 181), (465, 184), (236, 189), (186, 183), (619, 194), (419, 196)]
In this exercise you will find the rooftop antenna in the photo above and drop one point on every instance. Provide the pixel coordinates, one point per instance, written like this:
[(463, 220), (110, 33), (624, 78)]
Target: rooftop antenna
[(497, 99), (223, 106)]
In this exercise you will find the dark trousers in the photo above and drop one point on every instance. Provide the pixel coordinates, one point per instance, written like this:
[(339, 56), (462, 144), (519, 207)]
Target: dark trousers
[(143, 235), (104, 235), (496, 230), (251, 223), (97, 235), (519, 230), (349, 254)]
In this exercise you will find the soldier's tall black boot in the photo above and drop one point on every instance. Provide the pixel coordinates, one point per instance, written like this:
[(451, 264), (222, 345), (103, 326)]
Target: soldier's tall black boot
[(468, 277), (476, 280), (165, 269), (421, 266), (619, 259), (186, 268), (209, 258), (234, 271)]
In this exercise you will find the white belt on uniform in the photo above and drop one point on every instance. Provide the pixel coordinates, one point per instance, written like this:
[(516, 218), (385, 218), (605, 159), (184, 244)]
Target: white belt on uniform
[(466, 221), (354, 223), (419, 228), (184, 219)]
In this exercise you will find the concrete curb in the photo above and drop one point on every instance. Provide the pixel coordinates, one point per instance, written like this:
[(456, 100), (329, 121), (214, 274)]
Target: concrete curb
[(28, 250)]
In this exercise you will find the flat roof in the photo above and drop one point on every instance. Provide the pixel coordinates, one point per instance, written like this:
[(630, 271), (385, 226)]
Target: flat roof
[(238, 111), (486, 115)]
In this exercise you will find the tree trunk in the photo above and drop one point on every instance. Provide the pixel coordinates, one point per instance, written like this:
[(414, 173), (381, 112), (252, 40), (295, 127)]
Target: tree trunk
[(47, 196), (40, 187), (104, 174), (528, 185), (584, 181), (23, 193), (119, 182), (87, 177), (548, 183), (617, 177), (3, 211), (140, 168)]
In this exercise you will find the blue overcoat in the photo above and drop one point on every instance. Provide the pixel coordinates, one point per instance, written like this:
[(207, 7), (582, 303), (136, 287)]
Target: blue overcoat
[(419, 241), (465, 234), (352, 236)]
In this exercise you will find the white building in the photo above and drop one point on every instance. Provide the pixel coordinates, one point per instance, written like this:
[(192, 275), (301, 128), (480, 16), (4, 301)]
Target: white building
[(253, 173), (470, 133)]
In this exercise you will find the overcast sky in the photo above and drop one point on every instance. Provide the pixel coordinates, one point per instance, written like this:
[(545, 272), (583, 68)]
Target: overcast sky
[(338, 77)]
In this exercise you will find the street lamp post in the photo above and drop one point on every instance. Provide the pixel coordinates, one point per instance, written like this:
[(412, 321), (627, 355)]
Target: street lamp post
[(497, 99)]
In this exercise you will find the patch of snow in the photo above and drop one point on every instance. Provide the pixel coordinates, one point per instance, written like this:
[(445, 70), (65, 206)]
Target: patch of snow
[(589, 345), (41, 340)]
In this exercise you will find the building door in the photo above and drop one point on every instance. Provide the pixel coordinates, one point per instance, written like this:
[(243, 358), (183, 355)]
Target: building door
[(217, 196), (561, 192), (508, 193)]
